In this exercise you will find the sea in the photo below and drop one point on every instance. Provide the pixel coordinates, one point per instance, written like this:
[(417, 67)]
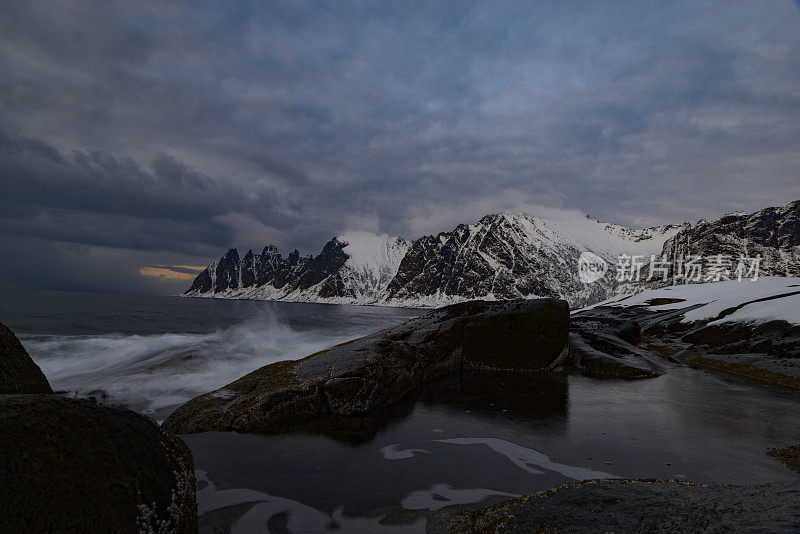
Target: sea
[(463, 442)]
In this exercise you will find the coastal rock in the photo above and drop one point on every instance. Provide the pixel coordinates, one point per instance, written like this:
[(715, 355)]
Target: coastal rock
[(788, 455), (635, 506), (368, 374), (600, 346), (69, 465), (766, 352), (747, 329), (18, 372), (601, 355), (630, 331)]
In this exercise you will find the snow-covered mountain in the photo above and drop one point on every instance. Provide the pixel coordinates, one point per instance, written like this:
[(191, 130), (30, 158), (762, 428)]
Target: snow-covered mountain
[(508, 256), (353, 268), (502, 256)]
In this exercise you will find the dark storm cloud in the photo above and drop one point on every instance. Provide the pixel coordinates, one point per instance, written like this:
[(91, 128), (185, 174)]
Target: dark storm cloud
[(151, 134)]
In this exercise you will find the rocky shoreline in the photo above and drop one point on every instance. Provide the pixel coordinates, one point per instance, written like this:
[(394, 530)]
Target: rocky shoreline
[(370, 374), (115, 470), (636, 506), (627, 342), (765, 352), (629, 505), (71, 465)]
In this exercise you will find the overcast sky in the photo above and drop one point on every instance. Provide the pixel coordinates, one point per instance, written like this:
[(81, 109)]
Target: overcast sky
[(142, 138)]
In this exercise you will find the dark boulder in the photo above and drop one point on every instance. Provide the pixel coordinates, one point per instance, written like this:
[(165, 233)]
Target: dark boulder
[(69, 465), (512, 337), (18, 372), (371, 373)]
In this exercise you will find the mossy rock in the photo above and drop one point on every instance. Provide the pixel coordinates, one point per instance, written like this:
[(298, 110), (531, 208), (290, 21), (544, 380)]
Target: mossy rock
[(68, 465)]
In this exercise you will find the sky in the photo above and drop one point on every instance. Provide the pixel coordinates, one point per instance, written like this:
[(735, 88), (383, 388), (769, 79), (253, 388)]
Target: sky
[(140, 140)]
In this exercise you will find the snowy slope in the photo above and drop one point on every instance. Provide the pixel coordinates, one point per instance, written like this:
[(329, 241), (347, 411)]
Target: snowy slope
[(372, 262), (785, 308), (712, 299)]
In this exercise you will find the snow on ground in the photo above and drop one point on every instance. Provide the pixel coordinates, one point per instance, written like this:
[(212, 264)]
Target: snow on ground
[(718, 296), (786, 308)]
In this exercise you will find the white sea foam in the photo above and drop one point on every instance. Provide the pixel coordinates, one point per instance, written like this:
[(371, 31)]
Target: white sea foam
[(154, 373)]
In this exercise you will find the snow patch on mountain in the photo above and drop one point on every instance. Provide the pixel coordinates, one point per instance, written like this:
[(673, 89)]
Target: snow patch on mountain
[(372, 262)]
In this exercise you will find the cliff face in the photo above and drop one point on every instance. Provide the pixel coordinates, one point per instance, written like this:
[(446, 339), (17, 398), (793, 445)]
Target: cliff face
[(772, 233), (509, 256)]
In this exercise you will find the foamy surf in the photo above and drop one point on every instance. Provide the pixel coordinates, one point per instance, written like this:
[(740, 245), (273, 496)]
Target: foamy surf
[(155, 373)]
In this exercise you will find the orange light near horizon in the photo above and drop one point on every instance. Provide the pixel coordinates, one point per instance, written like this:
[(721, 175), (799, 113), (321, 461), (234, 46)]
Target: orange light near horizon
[(168, 273)]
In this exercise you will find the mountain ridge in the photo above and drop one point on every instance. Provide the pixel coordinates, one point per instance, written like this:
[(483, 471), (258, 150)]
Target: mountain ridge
[(502, 256)]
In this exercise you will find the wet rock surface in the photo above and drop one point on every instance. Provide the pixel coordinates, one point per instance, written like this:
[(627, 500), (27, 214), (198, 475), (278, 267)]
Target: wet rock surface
[(373, 372), (636, 506), (602, 345), (18, 372), (69, 465)]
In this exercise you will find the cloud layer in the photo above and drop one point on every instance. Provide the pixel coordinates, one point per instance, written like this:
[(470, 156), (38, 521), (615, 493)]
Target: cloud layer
[(150, 134)]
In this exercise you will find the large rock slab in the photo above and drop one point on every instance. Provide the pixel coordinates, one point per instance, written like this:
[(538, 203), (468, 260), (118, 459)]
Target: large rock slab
[(69, 465), (18, 372), (368, 374), (636, 506), (603, 344)]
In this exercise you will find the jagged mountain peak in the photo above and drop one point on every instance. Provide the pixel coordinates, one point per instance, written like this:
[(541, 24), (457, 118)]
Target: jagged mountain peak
[(503, 255)]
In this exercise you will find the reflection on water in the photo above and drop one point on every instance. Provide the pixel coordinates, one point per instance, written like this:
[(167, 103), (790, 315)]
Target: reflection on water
[(504, 435), (263, 512)]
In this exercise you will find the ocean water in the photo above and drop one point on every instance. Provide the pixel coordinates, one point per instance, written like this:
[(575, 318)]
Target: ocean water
[(154, 353), (462, 442)]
